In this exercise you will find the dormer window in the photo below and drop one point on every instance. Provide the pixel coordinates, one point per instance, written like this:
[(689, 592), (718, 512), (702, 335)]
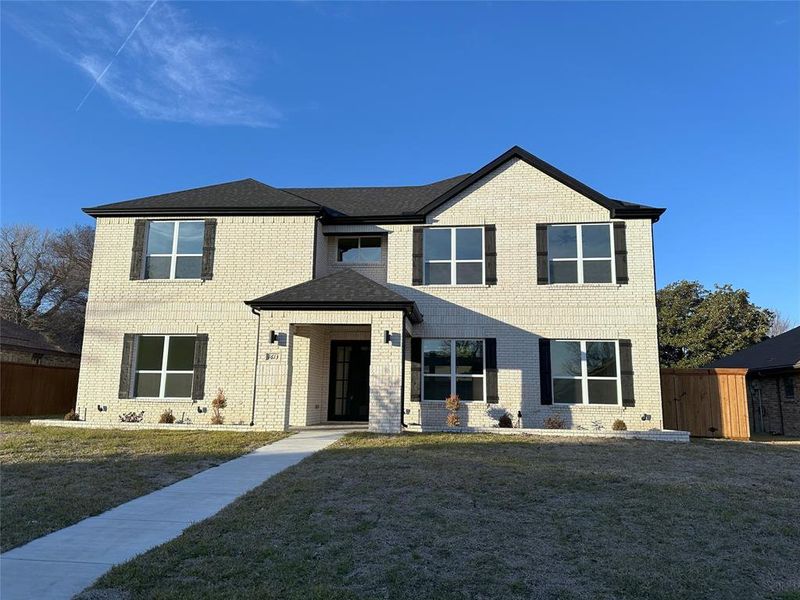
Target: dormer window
[(358, 250)]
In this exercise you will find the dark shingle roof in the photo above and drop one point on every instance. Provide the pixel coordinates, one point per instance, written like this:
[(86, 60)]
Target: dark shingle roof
[(779, 352), (342, 290), (377, 201), (20, 336), (352, 204), (247, 195)]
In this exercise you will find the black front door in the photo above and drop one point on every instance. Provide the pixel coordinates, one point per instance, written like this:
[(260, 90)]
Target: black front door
[(349, 381)]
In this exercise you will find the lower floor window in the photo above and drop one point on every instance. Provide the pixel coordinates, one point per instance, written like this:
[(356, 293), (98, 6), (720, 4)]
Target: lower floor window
[(585, 372), (453, 367), (164, 366)]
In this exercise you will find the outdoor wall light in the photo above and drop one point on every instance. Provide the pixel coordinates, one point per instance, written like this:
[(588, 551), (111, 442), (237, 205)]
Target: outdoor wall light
[(273, 337), (387, 336)]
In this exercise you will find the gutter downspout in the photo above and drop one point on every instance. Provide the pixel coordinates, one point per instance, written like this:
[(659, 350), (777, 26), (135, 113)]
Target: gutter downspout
[(403, 376), (255, 369)]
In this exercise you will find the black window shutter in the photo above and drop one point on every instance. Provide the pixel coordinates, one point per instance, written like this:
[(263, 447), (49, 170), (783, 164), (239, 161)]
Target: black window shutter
[(137, 253), (620, 253), (545, 381), (199, 379), (416, 369), (209, 239), (626, 372), (542, 275), (416, 256), (491, 370), (490, 253), (126, 368)]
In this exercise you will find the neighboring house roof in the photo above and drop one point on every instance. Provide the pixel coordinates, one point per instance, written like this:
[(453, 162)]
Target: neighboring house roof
[(349, 204), (342, 290), (779, 352), (21, 337)]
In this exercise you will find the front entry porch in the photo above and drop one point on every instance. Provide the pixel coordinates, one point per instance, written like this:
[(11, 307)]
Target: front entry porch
[(332, 349)]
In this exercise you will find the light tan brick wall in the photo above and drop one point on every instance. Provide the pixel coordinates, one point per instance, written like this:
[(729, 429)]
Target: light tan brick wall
[(517, 311), (257, 255), (254, 256)]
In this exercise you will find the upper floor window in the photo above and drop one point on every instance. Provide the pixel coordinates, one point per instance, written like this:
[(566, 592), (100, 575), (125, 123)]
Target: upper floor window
[(585, 372), (453, 367), (164, 366), (580, 253), (362, 250), (454, 255), (174, 250)]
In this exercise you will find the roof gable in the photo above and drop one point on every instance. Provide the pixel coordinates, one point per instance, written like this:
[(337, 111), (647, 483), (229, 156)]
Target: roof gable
[(617, 208)]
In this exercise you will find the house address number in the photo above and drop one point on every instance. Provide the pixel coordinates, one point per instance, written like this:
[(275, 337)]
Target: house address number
[(272, 356)]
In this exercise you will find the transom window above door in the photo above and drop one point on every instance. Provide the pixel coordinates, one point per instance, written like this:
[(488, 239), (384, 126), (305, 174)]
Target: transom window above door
[(363, 250), (454, 255), (174, 250), (580, 253)]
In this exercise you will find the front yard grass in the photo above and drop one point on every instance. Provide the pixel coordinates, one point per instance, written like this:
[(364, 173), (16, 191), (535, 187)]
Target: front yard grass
[(51, 477), (479, 516)]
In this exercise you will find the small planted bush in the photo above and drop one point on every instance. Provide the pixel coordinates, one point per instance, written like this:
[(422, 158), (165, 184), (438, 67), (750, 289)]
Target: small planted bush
[(554, 422), (619, 425), (167, 416), (453, 403), (505, 421), (217, 404), (132, 417), (72, 416)]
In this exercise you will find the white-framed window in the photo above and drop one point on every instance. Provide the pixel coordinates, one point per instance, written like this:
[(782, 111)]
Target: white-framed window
[(362, 250), (581, 253), (452, 366), (174, 250), (585, 372), (164, 366), (453, 255)]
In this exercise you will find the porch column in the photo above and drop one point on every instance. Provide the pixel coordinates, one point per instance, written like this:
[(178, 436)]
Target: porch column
[(385, 372)]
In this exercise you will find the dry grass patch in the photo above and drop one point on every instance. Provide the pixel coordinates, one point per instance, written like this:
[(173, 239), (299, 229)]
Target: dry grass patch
[(479, 516), (53, 476)]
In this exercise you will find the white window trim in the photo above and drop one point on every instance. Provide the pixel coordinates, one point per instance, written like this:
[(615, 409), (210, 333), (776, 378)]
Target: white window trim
[(359, 238), (580, 259), (173, 255), (163, 371), (454, 262), (585, 377), (453, 375)]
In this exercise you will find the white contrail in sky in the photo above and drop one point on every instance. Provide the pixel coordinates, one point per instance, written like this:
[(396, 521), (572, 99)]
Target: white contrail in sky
[(116, 54)]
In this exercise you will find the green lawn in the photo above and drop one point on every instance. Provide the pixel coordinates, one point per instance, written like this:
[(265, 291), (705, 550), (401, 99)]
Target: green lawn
[(51, 477), (479, 516)]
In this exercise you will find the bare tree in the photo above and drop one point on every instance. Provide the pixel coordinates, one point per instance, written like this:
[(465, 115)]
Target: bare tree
[(44, 278), (780, 324)]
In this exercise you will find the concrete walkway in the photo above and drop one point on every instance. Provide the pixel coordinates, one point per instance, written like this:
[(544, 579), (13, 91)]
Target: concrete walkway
[(63, 563)]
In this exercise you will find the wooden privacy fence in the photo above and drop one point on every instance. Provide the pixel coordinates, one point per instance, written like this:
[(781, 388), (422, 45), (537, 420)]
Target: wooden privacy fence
[(706, 402), (36, 389)]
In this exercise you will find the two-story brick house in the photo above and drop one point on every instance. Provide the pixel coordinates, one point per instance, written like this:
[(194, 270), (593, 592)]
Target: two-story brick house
[(517, 287)]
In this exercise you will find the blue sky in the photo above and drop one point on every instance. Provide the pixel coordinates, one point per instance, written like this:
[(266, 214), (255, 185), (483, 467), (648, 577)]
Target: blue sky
[(690, 106)]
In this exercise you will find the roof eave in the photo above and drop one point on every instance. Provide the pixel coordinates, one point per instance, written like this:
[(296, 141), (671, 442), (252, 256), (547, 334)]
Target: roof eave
[(99, 211), (328, 219), (409, 308)]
